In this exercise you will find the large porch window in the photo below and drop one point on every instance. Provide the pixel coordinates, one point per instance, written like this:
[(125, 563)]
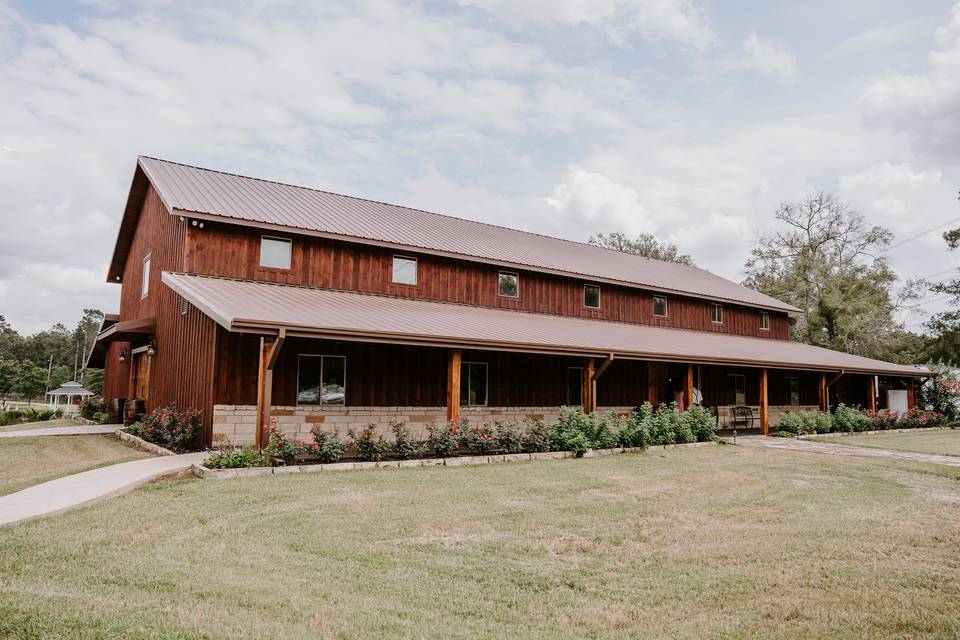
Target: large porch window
[(321, 379), (473, 383)]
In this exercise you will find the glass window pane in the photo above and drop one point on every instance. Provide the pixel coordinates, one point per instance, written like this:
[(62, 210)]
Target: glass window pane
[(591, 296), (574, 386), (509, 284), (404, 270), (659, 305), (332, 387), (308, 380), (275, 252)]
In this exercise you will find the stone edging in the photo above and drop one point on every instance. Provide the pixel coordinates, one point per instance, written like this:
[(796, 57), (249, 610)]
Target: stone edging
[(810, 436), (223, 474), (140, 443)]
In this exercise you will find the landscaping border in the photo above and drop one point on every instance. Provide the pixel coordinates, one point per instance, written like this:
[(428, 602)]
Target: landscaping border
[(456, 461), (875, 432), (140, 443)]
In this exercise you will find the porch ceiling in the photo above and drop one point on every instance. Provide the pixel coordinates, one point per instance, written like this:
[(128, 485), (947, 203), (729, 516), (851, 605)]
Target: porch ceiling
[(261, 307)]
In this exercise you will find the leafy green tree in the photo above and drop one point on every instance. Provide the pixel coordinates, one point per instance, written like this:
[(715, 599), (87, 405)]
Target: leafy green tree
[(829, 262), (646, 245), (31, 381)]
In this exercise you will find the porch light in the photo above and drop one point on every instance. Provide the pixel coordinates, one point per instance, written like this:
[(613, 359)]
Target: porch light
[(123, 356)]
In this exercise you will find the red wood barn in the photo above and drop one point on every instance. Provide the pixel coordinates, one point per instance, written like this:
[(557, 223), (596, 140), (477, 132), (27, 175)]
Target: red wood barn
[(247, 299)]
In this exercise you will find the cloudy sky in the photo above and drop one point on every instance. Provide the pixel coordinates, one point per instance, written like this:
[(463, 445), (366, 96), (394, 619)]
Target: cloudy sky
[(691, 119)]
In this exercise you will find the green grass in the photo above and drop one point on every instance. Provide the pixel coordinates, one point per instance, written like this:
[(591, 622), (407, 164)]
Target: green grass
[(943, 442), (29, 461), (698, 543), (30, 426)]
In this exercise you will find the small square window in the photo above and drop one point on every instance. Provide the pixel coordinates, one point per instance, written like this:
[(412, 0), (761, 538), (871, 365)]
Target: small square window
[(275, 252), (716, 313), (591, 296), (145, 278), (509, 284), (660, 306), (404, 270), (764, 321)]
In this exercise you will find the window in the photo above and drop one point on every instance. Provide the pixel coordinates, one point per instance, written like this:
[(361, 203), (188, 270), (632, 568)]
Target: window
[(404, 270), (764, 321), (716, 313), (509, 285), (660, 306), (791, 388), (275, 252), (321, 379), (574, 386), (473, 383), (736, 389), (145, 278), (591, 296)]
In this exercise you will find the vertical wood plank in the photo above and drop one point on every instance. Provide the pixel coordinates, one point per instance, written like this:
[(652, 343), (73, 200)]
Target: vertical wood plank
[(454, 360), (764, 407)]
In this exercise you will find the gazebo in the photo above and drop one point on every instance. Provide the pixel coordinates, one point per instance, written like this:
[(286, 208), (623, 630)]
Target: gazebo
[(69, 390)]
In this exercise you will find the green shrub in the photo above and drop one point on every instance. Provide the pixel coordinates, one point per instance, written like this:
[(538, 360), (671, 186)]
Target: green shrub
[(508, 438), (326, 445), (404, 446), (443, 439), (847, 419), (370, 445), (236, 459), (281, 446), (536, 438), (701, 423)]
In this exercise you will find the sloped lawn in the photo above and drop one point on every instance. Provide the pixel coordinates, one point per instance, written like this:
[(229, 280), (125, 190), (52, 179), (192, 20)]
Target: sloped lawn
[(699, 543)]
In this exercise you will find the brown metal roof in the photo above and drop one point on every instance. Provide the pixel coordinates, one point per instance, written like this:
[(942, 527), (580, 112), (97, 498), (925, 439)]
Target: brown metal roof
[(206, 193), (264, 307)]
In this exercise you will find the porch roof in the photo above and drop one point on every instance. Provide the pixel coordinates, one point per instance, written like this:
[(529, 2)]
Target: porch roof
[(266, 308)]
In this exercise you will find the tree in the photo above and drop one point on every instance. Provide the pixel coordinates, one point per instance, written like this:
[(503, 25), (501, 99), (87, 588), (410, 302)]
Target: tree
[(31, 380), (646, 245), (829, 262)]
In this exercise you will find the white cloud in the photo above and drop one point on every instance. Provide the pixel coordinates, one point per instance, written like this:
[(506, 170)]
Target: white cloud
[(769, 58)]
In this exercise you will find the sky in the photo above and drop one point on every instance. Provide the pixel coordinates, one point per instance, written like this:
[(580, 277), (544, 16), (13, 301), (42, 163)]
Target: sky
[(689, 119)]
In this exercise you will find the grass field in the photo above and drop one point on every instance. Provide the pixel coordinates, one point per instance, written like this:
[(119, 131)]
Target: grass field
[(28, 461), (944, 441), (29, 426), (711, 542)]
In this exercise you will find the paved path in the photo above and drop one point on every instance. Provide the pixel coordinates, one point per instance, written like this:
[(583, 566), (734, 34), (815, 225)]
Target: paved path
[(79, 430), (809, 446), (83, 488)]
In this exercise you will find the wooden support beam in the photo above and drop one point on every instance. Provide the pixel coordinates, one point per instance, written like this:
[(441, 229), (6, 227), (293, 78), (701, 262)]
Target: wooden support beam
[(688, 388), (764, 406), (871, 393), (264, 384), (454, 360), (824, 393), (590, 386)]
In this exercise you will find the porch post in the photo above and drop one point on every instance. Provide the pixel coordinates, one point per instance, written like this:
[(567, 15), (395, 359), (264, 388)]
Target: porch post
[(764, 409), (912, 395), (688, 388), (824, 395), (263, 399), (872, 393), (454, 359), (590, 386)]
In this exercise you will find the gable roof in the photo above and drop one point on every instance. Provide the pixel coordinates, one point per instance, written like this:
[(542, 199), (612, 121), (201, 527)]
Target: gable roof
[(266, 307), (214, 195)]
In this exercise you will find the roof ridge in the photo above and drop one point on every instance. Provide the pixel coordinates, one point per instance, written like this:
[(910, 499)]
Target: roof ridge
[(432, 213)]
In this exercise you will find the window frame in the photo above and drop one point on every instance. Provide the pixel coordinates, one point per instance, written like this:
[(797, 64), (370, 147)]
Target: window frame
[(287, 241), (322, 357), (666, 307), (500, 292), (718, 307), (584, 299), (145, 269), (465, 364), (734, 377), (393, 270)]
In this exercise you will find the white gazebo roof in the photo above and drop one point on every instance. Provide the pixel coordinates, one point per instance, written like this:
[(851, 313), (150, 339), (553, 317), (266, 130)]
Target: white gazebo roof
[(70, 389)]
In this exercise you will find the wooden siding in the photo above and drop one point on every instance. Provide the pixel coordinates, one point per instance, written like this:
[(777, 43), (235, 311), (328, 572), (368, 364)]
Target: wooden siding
[(230, 251)]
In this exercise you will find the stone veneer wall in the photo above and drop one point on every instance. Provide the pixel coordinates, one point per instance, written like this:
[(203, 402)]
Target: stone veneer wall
[(235, 425), (775, 411)]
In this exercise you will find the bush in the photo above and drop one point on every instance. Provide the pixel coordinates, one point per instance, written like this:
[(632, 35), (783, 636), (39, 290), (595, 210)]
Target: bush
[(508, 438), (168, 427), (536, 439), (701, 423), (404, 446), (478, 440), (236, 459), (847, 419), (369, 445), (443, 439), (92, 406), (280, 446), (326, 445)]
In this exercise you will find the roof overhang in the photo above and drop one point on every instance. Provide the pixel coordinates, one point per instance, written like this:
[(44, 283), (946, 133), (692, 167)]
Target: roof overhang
[(267, 308)]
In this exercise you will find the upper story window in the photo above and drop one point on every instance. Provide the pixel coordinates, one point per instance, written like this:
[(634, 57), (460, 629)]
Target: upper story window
[(145, 278), (508, 284), (660, 306), (404, 270), (591, 296), (473, 383), (321, 379), (275, 252), (764, 321), (716, 313)]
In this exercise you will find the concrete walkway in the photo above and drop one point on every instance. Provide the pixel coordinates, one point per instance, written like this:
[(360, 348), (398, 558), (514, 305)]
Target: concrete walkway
[(809, 446), (83, 488), (79, 430)]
